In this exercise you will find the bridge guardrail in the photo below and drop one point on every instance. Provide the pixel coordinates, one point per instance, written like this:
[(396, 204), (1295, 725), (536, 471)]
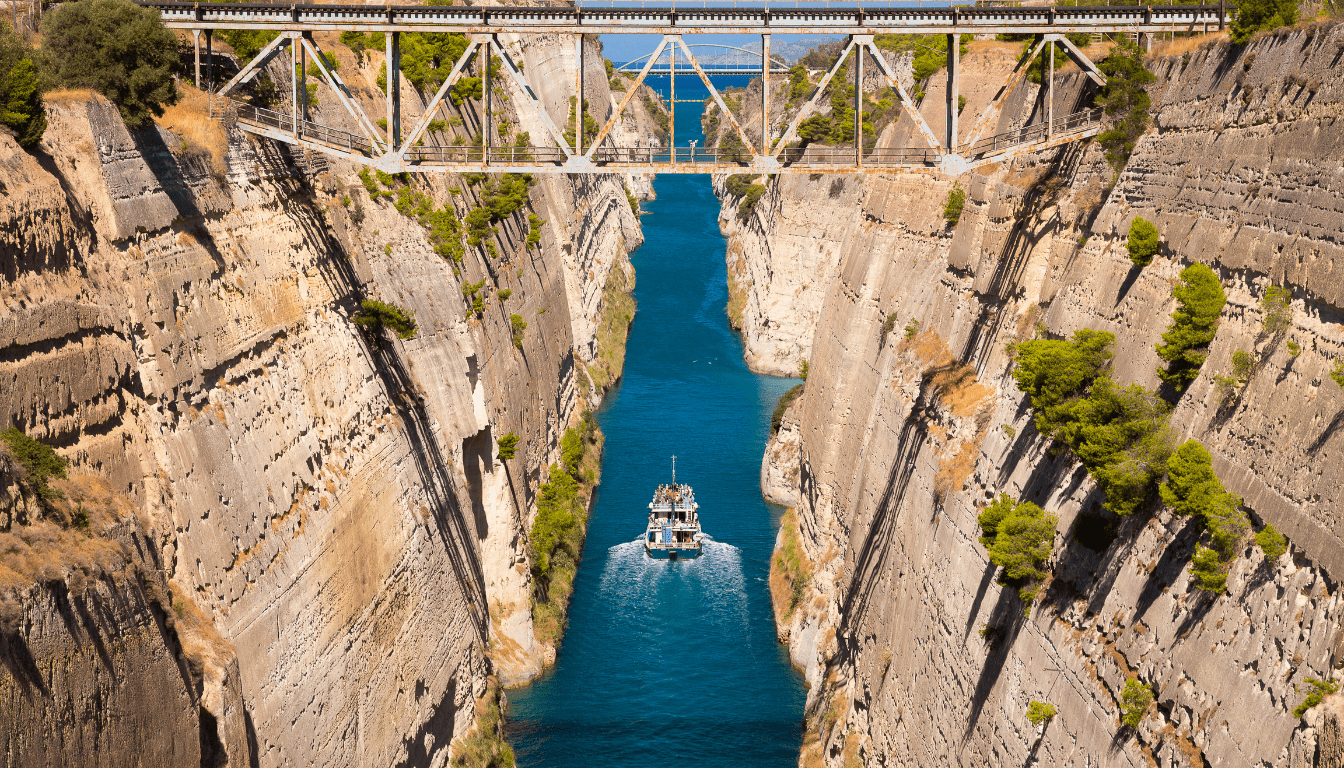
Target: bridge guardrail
[(1074, 123), (351, 142)]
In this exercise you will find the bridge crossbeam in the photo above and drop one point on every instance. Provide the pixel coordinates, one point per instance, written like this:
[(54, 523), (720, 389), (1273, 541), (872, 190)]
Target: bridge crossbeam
[(387, 151)]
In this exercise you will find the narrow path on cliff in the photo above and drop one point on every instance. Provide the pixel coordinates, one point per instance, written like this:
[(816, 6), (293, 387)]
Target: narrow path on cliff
[(666, 663)]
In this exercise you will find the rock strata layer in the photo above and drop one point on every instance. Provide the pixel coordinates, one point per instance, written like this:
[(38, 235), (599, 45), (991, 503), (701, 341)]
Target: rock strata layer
[(911, 422)]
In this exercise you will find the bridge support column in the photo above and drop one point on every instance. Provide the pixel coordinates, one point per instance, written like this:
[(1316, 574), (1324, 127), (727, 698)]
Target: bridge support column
[(1050, 94), (765, 95), (578, 95), (393, 47), (487, 126), (196, 47), (858, 105), (953, 77), (209, 60), (301, 73)]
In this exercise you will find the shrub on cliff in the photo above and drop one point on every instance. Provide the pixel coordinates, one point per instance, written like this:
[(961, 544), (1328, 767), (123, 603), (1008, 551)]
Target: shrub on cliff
[(40, 463), (1256, 15), (1277, 306), (1134, 701), (1055, 372), (508, 446), (373, 316), (1271, 542), (1319, 690), (1020, 537), (517, 324), (20, 93), (1039, 712), (1206, 568), (1125, 100), (1193, 489), (1143, 241), (785, 400), (116, 48), (1193, 325), (956, 203)]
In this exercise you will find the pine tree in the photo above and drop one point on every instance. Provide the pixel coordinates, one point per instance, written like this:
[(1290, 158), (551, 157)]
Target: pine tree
[(20, 90)]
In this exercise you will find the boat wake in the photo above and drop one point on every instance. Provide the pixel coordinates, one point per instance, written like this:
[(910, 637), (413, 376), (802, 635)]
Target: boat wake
[(711, 585)]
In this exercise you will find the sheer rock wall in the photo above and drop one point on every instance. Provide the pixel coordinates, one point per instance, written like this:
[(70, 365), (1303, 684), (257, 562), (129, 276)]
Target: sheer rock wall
[(915, 655), (333, 501)]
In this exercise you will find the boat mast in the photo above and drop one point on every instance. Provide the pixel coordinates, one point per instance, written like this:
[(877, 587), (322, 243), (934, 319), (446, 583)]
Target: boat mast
[(674, 470)]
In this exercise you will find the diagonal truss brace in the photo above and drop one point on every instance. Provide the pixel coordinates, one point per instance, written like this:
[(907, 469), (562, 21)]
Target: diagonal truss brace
[(537, 106), (718, 99), (992, 111), (811, 104), (925, 130), (473, 42), (337, 85), (1079, 58), (620, 108), (258, 62)]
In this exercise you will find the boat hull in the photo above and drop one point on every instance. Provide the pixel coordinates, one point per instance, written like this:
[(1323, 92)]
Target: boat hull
[(672, 553)]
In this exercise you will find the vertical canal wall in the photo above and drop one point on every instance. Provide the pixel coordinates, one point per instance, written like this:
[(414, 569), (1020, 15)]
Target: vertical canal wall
[(914, 653), (314, 555)]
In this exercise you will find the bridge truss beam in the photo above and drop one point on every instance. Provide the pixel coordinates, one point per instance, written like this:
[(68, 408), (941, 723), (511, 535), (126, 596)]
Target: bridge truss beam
[(391, 153)]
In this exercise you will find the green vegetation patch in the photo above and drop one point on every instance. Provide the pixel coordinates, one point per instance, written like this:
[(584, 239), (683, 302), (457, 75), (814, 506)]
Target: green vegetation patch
[(556, 538), (1144, 241), (373, 316), (1319, 690), (785, 400), (1039, 712), (956, 203), (1185, 345), (21, 107), (40, 464), (1125, 100), (116, 48), (1134, 701), (1019, 537), (1257, 15), (485, 746), (790, 570)]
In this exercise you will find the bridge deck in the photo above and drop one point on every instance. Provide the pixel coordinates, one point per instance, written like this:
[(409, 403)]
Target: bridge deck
[(854, 20)]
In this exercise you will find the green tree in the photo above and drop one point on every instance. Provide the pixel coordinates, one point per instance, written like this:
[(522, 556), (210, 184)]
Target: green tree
[(20, 92), (508, 446), (518, 325), (116, 48), (1055, 372), (1193, 489), (1143, 241), (1039, 712), (956, 202), (1125, 100), (1019, 537), (1206, 567), (373, 316), (1256, 15), (1185, 344), (1277, 306), (1134, 701), (1271, 542), (40, 463)]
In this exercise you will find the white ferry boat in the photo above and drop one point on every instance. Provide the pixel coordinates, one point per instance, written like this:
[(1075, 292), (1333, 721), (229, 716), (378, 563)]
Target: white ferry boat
[(674, 522)]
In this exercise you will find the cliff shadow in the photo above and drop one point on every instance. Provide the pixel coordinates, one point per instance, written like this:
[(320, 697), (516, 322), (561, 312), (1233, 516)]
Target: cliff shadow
[(1003, 283), (1004, 625), (882, 528), (437, 731), (384, 358)]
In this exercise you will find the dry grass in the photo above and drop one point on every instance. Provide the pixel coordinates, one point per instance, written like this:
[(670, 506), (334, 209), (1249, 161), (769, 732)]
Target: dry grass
[(613, 326), (54, 548), (189, 120), (952, 473), (790, 570), (67, 96), (1183, 45), (953, 384)]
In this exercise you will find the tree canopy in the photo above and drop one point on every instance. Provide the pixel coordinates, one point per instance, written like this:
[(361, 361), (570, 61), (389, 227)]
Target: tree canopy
[(20, 90), (116, 48), (1193, 325), (1256, 15), (1125, 100)]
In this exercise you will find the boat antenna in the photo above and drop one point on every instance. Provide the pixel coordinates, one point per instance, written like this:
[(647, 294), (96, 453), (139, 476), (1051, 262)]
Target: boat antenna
[(674, 470)]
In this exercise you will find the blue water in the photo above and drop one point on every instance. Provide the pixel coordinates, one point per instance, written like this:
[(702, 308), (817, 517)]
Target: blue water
[(674, 663)]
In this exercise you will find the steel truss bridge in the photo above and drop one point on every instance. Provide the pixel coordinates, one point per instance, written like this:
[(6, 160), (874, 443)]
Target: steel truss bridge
[(389, 149)]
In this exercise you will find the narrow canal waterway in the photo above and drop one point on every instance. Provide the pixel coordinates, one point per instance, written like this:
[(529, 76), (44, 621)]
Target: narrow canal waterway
[(674, 663)]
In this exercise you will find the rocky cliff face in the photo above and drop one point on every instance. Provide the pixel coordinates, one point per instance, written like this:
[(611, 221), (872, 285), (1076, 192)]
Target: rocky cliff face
[(916, 656), (332, 500)]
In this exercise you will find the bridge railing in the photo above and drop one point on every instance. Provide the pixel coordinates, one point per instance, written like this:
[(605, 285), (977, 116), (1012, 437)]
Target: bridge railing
[(350, 142), (437, 154), (1063, 126), (815, 155), (670, 155)]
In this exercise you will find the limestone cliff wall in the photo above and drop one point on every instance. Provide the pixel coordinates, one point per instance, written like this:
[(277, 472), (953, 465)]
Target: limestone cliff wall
[(333, 501), (916, 656)]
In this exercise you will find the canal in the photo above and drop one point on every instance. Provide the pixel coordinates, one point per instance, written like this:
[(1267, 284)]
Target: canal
[(669, 663)]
